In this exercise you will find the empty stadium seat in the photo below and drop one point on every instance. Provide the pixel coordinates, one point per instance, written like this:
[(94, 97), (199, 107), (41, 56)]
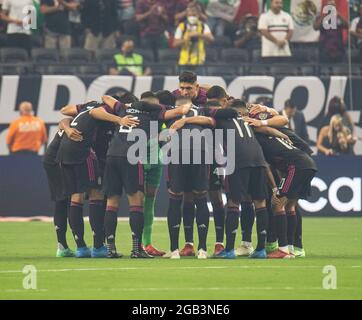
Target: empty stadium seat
[(105, 55), (305, 54), (283, 69), (233, 55), (43, 55), (256, 55), (168, 55), (212, 55), (146, 54), (90, 69), (12, 69), (221, 70), (76, 55), (330, 70), (221, 42), (258, 70), (56, 69), (162, 69), (10, 55), (307, 70)]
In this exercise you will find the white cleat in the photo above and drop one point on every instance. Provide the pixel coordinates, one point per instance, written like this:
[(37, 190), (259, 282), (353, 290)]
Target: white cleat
[(202, 254), (172, 255), (244, 251)]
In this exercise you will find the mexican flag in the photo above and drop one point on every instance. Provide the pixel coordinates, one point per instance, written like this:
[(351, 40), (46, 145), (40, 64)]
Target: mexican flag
[(224, 9), (303, 13)]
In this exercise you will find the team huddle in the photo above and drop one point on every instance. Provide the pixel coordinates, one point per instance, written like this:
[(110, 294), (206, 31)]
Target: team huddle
[(122, 143)]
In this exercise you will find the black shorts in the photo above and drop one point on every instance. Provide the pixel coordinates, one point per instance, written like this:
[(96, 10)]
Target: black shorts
[(81, 178), (55, 181), (119, 174), (296, 184), (246, 183), (188, 177), (216, 181)]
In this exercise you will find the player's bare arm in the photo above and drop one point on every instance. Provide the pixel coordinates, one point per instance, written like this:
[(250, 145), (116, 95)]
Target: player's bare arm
[(109, 101), (102, 114), (72, 133), (200, 120), (177, 112), (259, 108), (272, 132), (276, 121), (69, 110)]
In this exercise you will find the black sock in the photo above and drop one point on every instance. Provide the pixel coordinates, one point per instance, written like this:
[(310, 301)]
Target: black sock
[(202, 220), (298, 239), (261, 227), (292, 225), (271, 236), (188, 214), (110, 224), (247, 218), (77, 223), (231, 227), (281, 228), (219, 220), (61, 221), (96, 220), (136, 222), (174, 220)]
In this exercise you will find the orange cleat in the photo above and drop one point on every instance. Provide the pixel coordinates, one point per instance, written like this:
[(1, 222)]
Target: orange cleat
[(279, 254), (152, 251), (218, 248), (188, 250)]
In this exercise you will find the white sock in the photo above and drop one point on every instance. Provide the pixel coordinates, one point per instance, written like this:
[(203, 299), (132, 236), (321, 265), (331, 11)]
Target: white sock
[(284, 249)]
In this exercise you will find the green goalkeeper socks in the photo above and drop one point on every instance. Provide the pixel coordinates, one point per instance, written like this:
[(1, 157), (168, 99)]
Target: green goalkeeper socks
[(149, 211)]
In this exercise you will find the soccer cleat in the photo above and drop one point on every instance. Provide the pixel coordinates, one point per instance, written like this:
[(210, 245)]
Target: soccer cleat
[(172, 255), (101, 252), (83, 252), (299, 252), (226, 254), (271, 246), (188, 250), (65, 253), (202, 254), (140, 254), (112, 252), (258, 254), (218, 248), (279, 254), (244, 251), (152, 251)]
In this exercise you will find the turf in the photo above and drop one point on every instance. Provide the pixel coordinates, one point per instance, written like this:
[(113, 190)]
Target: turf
[(328, 241)]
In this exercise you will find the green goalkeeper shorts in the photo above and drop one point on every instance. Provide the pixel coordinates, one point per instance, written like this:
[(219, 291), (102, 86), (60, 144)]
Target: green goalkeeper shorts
[(152, 174)]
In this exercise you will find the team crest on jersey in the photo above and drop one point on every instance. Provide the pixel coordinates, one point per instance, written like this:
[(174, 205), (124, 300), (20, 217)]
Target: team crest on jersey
[(263, 116)]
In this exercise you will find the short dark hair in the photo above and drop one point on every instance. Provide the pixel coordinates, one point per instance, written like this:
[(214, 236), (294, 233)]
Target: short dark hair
[(182, 100), (214, 103), (188, 77), (216, 92), (148, 94), (289, 104), (166, 97), (237, 103), (126, 97)]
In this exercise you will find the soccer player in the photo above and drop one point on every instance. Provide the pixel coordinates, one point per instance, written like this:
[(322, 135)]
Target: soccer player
[(56, 189), (189, 88), (121, 173), (296, 169), (81, 175)]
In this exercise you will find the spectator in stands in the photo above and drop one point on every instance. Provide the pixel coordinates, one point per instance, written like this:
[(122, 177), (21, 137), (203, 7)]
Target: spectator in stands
[(57, 31), (27, 133), (181, 10), (77, 30), (127, 62), (126, 16), (356, 30), (12, 13), (100, 23), (335, 138), (296, 119), (221, 15), (276, 27), (331, 43), (191, 37), (152, 17), (247, 35)]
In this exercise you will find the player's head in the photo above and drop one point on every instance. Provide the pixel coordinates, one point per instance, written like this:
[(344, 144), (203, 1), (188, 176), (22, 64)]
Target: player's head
[(126, 97), (127, 47), (276, 5), (149, 97), (240, 106), (166, 98), (26, 108), (188, 85), (290, 108), (217, 94), (182, 101)]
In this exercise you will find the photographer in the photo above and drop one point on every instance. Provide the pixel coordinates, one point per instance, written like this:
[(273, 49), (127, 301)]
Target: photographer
[(191, 36), (247, 35)]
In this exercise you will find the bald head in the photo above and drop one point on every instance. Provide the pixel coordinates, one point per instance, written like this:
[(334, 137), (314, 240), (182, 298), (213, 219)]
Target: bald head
[(26, 108)]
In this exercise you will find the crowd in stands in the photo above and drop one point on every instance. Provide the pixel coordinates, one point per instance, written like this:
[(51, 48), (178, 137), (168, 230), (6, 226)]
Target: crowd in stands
[(267, 28)]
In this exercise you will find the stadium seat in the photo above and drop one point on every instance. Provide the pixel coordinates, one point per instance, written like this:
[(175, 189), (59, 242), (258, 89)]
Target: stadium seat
[(221, 70), (146, 54), (169, 55), (57, 69), (256, 56), (12, 69), (212, 55), (221, 42), (105, 55), (90, 69), (11, 55), (234, 56), (258, 70), (337, 70), (43, 55), (305, 54), (307, 70), (283, 69), (162, 69), (76, 55)]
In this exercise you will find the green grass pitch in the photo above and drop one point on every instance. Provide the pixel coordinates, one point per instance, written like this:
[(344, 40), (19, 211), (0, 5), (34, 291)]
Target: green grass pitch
[(328, 241)]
